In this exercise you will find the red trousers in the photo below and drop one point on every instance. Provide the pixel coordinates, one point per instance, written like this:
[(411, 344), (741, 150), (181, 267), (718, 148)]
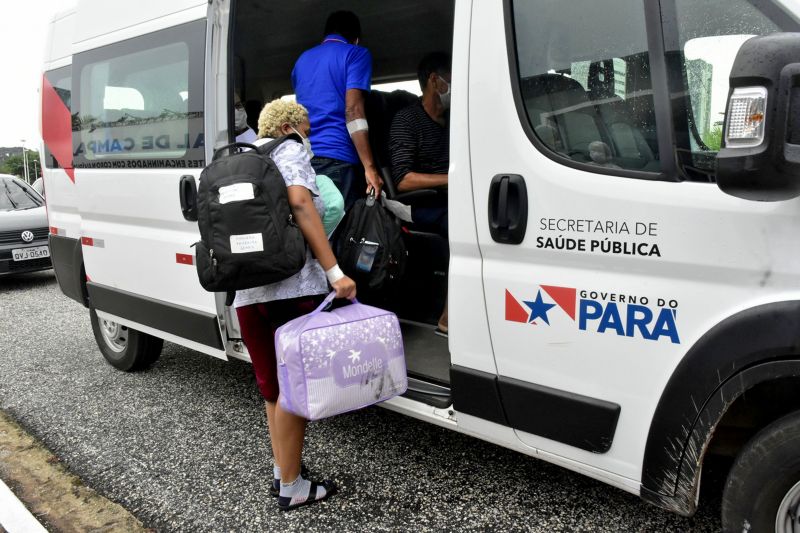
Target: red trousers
[(258, 323)]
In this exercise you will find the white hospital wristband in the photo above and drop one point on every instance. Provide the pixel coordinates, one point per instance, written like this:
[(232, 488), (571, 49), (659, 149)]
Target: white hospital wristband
[(334, 274)]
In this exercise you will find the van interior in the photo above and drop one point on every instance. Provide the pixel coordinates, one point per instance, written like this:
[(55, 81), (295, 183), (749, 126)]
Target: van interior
[(268, 37)]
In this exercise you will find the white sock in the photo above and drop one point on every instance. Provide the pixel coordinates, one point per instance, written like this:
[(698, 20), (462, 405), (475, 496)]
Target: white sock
[(298, 490), (276, 472)]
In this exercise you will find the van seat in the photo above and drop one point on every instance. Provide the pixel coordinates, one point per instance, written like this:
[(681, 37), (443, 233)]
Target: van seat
[(428, 253), (629, 141), (380, 108), (561, 103)]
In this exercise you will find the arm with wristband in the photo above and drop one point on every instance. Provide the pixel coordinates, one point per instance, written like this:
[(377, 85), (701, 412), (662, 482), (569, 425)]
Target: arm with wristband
[(307, 218), (359, 76)]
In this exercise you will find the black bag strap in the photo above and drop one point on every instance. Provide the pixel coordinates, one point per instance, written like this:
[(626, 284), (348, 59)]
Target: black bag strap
[(230, 296), (220, 151), (267, 149), (369, 204)]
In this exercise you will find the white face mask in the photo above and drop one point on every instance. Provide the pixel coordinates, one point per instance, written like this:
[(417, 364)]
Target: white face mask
[(445, 96), (306, 144), (239, 119)]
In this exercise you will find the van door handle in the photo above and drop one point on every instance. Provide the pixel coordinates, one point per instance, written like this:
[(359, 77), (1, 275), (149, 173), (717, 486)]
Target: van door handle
[(508, 208), (187, 191)]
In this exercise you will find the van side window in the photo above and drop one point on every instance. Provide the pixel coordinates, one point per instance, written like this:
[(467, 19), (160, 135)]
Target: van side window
[(61, 81), (584, 72), (140, 102), (701, 42)]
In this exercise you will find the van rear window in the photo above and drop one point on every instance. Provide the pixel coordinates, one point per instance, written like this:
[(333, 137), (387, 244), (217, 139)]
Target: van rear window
[(140, 102), (61, 81)]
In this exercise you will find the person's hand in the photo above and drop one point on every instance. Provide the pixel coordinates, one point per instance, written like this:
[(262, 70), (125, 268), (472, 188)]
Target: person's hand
[(374, 181), (345, 288)]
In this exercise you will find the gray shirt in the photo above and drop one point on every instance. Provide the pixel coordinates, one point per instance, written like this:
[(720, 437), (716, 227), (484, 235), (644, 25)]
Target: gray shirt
[(295, 166)]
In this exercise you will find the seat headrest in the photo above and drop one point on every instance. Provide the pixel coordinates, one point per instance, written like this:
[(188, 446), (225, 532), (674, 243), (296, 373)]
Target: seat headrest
[(380, 108), (549, 93)]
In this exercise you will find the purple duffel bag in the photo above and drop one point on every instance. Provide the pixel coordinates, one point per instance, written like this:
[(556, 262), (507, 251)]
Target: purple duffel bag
[(332, 362)]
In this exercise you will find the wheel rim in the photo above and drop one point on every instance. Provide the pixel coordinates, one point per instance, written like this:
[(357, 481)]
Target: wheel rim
[(114, 335), (788, 518)]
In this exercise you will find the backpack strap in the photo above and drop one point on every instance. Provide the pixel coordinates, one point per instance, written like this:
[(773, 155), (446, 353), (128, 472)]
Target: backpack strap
[(230, 296), (369, 203), (219, 151), (270, 147)]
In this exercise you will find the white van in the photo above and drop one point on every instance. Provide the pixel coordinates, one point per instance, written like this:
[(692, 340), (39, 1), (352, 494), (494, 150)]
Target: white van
[(624, 259)]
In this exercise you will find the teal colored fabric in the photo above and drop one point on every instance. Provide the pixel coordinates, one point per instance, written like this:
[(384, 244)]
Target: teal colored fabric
[(334, 203)]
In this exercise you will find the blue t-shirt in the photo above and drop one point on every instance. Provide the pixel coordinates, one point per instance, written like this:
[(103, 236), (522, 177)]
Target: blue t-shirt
[(321, 77)]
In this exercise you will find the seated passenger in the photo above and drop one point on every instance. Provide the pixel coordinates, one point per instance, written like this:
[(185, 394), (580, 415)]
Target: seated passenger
[(419, 141), (244, 134)]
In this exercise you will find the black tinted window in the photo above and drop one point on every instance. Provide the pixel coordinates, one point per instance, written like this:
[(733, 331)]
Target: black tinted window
[(61, 81)]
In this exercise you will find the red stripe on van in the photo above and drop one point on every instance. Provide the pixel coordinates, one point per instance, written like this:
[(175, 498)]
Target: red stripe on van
[(87, 241), (184, 259), (57, 128), (53, 230)]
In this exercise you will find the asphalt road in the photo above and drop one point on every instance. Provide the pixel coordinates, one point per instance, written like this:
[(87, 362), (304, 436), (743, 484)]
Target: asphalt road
[(184, 446)]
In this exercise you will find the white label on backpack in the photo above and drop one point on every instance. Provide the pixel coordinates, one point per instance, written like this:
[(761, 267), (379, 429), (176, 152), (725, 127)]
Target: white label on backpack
[(251, 242), (236, 193)]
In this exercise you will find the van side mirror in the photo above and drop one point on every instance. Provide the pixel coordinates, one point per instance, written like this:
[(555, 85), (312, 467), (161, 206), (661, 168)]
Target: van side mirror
[(760, 155)]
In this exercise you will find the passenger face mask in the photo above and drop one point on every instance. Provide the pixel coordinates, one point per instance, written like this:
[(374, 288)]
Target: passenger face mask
[(445, 96), (240, 119), (306, 144)]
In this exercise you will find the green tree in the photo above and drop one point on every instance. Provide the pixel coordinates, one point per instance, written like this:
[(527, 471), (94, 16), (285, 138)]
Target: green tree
[(713, 138), (16, 166)]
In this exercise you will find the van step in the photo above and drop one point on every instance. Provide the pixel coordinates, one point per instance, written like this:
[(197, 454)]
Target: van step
[(428, 393), (427, 355)]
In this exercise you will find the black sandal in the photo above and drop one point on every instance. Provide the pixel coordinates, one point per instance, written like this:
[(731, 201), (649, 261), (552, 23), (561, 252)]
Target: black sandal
[(276, 491), (284, 502)]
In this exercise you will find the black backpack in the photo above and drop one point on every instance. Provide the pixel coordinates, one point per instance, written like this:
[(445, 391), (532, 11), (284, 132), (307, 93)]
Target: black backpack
[(247, 235), (370, 246)]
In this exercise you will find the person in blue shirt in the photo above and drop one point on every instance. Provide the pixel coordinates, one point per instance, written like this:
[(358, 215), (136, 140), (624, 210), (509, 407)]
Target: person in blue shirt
[(330, 81)]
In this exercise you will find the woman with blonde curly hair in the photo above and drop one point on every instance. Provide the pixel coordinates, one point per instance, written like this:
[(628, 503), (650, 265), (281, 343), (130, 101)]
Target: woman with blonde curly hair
[(262, 310)]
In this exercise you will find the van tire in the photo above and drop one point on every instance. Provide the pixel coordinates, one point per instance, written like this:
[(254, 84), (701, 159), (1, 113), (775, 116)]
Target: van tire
[(125, 348), (765, 473)]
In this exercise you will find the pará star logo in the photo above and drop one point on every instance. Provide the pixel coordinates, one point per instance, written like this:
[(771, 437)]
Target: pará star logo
[(537, 309)]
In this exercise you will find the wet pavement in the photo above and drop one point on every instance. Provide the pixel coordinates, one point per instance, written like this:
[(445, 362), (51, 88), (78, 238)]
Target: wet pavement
[(184, 445)]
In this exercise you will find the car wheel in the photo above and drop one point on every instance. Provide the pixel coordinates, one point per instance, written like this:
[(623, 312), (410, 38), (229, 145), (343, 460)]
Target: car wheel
[(124, 348), (762, 492)]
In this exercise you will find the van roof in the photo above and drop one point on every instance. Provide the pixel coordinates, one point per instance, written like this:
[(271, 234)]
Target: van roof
[(64, 13)]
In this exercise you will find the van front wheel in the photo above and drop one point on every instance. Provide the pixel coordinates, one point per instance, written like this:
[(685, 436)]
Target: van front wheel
[(762, 492), (124, 348)]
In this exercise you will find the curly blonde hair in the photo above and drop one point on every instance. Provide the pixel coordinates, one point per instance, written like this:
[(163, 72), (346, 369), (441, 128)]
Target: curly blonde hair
[(279, 112)]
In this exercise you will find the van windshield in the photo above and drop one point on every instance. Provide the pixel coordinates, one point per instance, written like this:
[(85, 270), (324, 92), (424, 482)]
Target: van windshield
[(16, 196)]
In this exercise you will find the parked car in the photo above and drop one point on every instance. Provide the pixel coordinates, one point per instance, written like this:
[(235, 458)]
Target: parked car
[(23, 228)]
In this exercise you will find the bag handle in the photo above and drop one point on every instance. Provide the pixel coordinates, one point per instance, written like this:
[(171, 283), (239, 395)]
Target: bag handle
[(264, 149), (327, 301), (221, 150)]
